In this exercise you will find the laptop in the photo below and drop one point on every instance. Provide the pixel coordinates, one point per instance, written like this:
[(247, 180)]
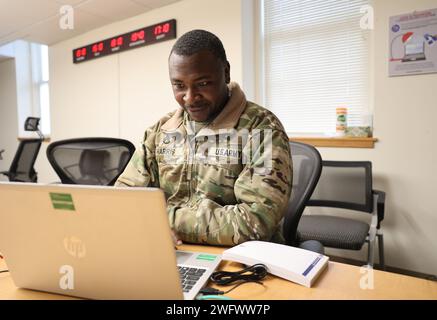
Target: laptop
[(96, 242), (414, 51)]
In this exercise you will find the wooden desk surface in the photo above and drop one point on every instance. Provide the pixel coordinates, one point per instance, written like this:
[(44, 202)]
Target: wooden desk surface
[(338, 281)]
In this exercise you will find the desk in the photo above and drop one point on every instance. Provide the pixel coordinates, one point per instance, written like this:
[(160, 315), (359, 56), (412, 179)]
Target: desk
[(338, 281)]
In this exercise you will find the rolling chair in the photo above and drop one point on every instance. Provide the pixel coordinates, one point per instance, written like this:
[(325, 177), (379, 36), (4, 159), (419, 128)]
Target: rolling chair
[(90, 161), (347, 185), (22, 166), (307, 166)]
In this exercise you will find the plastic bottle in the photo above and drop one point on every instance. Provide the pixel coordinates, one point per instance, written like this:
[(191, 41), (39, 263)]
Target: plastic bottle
[(341, 124)]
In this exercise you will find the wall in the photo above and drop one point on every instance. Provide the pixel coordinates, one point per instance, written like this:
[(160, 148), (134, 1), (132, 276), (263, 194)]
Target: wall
[(8, 114), (122, 94), (405, 158)]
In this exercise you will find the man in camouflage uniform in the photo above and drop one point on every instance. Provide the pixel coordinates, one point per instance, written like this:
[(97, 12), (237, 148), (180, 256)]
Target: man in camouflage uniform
[(223, 162)]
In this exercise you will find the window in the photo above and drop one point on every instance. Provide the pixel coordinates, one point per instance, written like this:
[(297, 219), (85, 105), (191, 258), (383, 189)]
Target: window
[(32, 81), (315, 59), (40, 76)]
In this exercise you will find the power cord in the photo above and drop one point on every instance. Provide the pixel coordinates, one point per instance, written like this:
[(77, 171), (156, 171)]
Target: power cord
[(212, 297), (253, 273)]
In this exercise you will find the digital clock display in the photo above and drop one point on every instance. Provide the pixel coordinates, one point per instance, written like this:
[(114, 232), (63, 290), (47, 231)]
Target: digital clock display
[(142, 37)]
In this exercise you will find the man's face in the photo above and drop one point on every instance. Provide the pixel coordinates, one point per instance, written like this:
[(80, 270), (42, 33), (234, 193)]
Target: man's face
[(199, 84)]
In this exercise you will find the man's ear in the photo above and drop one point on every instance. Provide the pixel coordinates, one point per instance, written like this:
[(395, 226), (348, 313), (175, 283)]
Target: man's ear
[(227, 72)]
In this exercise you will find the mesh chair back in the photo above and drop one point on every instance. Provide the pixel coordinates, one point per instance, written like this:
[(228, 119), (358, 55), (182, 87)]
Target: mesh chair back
[(307, 165), (344, 184), (90, 161), (22, 169), (31, 124)]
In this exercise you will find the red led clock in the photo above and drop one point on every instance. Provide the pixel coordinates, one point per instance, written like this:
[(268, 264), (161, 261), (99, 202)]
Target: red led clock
[(139, 38)]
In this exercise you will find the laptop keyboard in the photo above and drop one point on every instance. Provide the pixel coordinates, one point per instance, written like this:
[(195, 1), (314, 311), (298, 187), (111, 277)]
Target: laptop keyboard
[(189, 276)]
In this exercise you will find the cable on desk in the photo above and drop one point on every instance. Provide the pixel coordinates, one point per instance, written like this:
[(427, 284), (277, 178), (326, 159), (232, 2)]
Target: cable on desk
[(212, 297), (4, 271), (253, 273)]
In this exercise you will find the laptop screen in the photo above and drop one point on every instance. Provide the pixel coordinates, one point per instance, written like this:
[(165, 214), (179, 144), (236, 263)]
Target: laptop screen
[(414, 48)]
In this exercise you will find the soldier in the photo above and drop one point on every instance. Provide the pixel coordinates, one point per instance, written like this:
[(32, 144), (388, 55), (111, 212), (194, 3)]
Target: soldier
[(223, 162)]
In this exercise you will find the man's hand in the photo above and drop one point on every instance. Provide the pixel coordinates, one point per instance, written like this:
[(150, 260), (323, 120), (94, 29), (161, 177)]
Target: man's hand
[(176, 240)]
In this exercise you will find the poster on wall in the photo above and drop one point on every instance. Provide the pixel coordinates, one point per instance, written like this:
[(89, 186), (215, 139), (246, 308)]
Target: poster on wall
[(413, 43)]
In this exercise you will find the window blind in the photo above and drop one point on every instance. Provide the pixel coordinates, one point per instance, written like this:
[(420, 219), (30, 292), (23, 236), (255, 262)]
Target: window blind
[(316, 58)]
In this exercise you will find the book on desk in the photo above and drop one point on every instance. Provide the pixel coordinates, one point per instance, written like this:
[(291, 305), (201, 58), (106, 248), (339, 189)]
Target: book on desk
[(293, 264)]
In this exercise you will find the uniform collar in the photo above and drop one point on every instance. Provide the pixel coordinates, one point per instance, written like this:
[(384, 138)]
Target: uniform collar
[(226, 119)]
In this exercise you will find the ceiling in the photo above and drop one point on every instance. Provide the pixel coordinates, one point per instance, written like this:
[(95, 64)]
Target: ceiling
[(38, 20)]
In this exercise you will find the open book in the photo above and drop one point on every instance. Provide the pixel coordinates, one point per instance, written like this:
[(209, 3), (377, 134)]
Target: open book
[(294, 264)]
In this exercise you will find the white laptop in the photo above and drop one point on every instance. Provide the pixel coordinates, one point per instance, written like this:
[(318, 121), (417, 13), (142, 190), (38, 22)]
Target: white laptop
[(414, 51), (96, 242)]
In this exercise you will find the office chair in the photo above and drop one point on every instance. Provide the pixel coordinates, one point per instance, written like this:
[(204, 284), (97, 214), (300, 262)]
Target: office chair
[(22, 166), (347, 185), (307, 165), (90, 161)]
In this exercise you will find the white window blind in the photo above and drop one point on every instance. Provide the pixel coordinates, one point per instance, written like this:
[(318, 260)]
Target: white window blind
[(316, 58)]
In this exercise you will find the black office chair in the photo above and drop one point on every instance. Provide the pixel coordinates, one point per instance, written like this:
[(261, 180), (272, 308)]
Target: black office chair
[(347, 185), (22, 166), (307, 165), (90, 161)]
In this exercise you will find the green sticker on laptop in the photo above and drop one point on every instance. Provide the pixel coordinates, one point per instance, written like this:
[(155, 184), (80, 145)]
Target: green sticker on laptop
[(208, 257), (62, 201)]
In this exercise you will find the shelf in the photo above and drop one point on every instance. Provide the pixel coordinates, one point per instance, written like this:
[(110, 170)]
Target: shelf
[(337, 142)]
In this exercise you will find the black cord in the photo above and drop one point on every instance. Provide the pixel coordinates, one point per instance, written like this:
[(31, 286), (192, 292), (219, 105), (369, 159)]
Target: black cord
[(4, 271), (253, 273), (253, 281), (214, 291)]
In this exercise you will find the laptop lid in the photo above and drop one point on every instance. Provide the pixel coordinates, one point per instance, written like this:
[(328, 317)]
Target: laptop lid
[(88, 241)]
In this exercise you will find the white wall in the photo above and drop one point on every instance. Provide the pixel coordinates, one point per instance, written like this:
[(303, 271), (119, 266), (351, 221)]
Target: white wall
[(8, 114), (405, 158), (120, 95)]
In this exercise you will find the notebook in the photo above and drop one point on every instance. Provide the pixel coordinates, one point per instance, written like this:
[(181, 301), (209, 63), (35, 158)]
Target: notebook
[(96, 242), (293, 264)]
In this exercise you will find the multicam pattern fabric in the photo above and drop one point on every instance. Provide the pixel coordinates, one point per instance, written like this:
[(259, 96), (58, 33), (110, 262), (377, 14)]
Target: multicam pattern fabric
[(227, 181)]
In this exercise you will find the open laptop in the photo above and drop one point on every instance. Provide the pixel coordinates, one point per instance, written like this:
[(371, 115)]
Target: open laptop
[(414, 51), (96, 242)]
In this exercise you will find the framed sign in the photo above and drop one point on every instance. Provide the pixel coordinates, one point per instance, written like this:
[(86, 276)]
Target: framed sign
[(413, 43)]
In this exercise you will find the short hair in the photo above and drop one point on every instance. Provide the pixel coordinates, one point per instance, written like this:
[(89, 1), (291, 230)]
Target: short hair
[(195, 41)]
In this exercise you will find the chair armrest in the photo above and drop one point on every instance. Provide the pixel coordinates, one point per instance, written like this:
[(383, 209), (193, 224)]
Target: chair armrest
[(380, 205), (6, 173), (313, 245)]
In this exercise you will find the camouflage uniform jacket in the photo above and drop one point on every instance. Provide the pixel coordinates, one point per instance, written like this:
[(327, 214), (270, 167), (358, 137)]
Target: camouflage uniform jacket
[(219, 184)]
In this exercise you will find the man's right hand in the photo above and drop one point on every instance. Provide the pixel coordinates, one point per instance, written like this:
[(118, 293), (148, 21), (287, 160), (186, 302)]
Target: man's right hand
[(176, 240)]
